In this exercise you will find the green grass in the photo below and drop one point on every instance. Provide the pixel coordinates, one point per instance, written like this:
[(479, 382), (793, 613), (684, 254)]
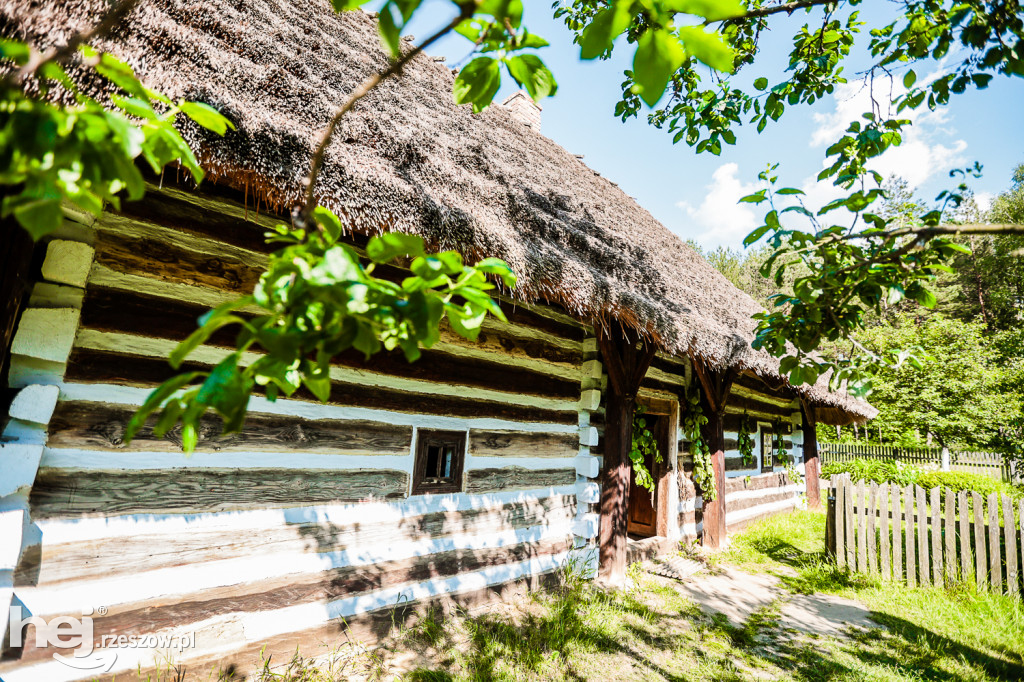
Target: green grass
[(932, 633)]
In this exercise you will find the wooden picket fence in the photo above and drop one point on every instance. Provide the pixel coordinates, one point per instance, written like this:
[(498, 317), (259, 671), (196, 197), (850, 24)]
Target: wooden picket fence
[(923, 537), (989, 464)]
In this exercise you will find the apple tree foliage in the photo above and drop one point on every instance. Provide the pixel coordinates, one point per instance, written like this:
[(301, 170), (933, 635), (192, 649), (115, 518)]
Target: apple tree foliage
[(851, 258)]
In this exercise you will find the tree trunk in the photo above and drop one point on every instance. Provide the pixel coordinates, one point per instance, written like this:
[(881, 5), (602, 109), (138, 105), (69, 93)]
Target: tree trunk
[(979, 289)]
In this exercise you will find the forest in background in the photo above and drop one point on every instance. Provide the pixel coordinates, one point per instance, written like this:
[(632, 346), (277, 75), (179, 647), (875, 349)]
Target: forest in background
[(969, 395)]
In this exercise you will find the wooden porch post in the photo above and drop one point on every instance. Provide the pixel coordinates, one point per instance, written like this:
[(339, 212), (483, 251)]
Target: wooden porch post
[(812, 466), (716, 385), (626, 364)]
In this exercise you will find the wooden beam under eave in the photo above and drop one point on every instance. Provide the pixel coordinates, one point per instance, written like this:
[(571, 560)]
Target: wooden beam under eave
[(812, 463), (716, 385), (626, 365)]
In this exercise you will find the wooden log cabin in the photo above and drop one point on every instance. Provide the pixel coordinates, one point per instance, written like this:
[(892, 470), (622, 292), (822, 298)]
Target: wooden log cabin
[(453, 478)]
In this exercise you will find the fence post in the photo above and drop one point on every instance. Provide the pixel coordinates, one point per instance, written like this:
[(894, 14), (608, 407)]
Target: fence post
[(830, 521), (1010, 530), (995, 556), (980, 557), (908, 536), (897, 535), (945, 458), (883, 535)]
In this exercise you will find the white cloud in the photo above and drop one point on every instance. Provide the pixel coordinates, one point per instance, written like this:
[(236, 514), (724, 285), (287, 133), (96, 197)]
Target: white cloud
[(984, 200), (929, 146), (719, 220), (930, 149)]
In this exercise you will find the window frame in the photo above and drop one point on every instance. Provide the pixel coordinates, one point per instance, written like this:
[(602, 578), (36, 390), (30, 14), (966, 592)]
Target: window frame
[(427, 437), (767, 436)]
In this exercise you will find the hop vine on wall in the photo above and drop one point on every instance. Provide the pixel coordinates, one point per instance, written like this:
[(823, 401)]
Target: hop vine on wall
[(703, 469), (644, 445), (745, 441)]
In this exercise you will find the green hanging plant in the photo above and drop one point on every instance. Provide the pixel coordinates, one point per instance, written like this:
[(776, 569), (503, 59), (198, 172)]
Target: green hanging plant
[(644, 445), (703, 469), (745, 441), (782, 455)]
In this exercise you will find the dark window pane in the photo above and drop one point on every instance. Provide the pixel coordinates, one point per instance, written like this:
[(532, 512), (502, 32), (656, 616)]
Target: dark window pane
[(432, 456)]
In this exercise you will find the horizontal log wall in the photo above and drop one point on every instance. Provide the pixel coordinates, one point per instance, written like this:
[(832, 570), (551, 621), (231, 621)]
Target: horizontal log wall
[(304, 517)]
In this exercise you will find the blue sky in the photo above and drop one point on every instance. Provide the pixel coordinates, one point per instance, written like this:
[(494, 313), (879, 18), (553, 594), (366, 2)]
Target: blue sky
[(695, 195)]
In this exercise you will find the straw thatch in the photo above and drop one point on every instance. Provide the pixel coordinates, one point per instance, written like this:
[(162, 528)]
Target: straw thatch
[(408, 159)]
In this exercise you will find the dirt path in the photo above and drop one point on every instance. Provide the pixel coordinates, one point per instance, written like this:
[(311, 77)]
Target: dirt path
[(737, 595)]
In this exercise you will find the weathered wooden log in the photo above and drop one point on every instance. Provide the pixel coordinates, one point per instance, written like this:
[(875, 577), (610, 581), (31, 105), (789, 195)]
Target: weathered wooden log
[(61, 493), (522, 444), (516, 478), (93, 366), (101, 426)]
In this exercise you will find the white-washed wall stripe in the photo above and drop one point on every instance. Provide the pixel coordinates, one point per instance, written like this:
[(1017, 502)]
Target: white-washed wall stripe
[(57, 531)]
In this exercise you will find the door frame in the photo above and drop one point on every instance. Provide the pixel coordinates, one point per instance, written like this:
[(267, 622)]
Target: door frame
[(664, 404)]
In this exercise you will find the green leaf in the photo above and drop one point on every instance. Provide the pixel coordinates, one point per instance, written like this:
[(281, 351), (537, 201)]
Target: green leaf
[(39, 216), (755, 235), (389, 246), (213, 321), (207, 117), (510, 11), (761, 83), (658, 56), (189, 437), (600, 34), (530, 40), (156, 398), (496, 266), (909, 78), (530, 72), (708, 48), (477, 83), (712, 10), (15, 50), (326, 219)]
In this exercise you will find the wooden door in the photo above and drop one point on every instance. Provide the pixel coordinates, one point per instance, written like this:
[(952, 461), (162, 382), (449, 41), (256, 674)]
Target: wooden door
[(643, 512)]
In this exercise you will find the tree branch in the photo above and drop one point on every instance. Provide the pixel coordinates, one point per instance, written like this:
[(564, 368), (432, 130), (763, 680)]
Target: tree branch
[(787, 7), (923, 232), (59, 54), (302, 217)]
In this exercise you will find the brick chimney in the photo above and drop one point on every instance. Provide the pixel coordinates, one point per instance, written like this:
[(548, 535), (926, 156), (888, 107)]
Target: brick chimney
[(523, 109)]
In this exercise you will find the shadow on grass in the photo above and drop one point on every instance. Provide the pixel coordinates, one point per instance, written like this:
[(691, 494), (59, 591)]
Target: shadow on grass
[(566, 627)]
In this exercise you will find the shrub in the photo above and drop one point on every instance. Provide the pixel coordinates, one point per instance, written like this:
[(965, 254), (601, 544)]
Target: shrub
[(879, 471), (961, 480)]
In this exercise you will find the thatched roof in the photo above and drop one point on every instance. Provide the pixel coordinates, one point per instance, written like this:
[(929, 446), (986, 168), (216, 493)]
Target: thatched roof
[(409, 159)]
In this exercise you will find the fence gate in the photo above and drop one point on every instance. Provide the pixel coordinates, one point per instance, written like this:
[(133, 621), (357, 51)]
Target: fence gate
[(924, 537)]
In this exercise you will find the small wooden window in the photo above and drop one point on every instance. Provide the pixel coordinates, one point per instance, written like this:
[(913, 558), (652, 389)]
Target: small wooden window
[(767, 450), (439, 459)]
